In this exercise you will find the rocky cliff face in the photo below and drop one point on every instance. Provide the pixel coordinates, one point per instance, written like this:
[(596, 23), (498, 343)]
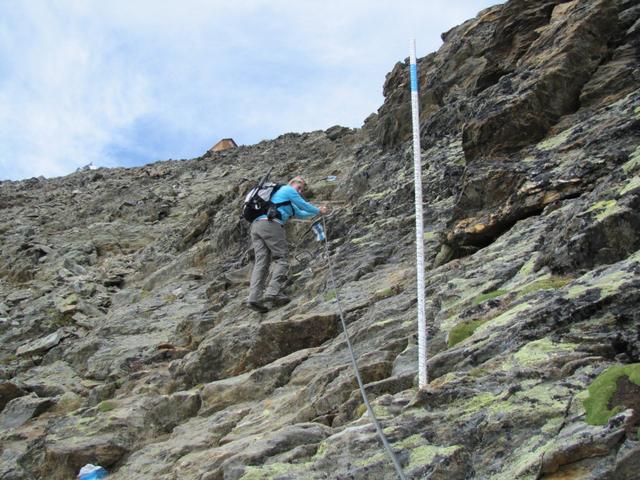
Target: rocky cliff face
[(124, 341)]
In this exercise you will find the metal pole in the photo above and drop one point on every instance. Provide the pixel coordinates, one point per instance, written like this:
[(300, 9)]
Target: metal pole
[(417, 171)]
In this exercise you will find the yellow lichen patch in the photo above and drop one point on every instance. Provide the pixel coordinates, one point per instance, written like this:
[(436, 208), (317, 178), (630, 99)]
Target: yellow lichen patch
[(504, 319), (462, 292), (384, 323), (474, 404), (411, 442), (380, 195), (633, 163), (387, 292), (361, 240), (451, 377), (541, 401), (372, 460), (275, 470), (527, 268), (632, 184), (426, 454), (429, 236), (541, 351), (605, 209), (107, 406), (380, 411), (546, 283), (488, 296), (607, 284), (553, 426), (526, 460), (556, 141)]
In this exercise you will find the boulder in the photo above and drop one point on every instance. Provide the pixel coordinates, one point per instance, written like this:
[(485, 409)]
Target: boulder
[(22, 409), (44, 344), (9, 391)]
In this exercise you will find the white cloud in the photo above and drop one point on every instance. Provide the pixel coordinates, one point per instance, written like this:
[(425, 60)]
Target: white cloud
[(123, 82), (61, 105)]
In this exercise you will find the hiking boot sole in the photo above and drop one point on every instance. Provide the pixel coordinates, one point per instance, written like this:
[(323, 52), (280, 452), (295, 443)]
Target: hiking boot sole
[(277, 301), (256, 307)]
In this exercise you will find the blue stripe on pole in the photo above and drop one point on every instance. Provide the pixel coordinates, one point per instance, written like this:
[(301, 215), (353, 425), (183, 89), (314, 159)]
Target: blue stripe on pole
[(414, 77)]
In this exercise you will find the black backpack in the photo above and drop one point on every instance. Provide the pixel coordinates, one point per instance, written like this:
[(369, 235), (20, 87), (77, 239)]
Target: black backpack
[(258, 201)]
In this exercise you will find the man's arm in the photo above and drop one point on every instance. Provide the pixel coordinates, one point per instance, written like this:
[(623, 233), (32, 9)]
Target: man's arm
[(301, 207), (302, 213)]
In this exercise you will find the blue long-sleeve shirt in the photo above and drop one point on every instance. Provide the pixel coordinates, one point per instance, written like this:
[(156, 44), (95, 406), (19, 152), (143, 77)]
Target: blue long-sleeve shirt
[(299, 207)]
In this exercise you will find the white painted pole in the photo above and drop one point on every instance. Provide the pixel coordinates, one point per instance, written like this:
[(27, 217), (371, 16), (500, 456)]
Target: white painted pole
[(417, 172)]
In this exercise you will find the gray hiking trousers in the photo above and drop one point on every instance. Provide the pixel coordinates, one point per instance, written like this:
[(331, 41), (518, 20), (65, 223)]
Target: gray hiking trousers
[(269, 244)]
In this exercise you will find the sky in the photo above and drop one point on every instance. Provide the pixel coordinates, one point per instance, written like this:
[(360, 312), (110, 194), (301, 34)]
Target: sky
[(130, 82)]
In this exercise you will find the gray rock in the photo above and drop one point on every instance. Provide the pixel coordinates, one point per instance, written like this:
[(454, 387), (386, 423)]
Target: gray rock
[(19, 296), (22, 409), (530, 183), (9, 391), (44, 344)]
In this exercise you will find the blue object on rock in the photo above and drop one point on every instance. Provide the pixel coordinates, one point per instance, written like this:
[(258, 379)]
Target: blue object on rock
[(319, 231), (92, 472)]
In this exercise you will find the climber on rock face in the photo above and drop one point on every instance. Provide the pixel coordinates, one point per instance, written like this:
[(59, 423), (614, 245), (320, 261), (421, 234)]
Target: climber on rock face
[(270, 245)]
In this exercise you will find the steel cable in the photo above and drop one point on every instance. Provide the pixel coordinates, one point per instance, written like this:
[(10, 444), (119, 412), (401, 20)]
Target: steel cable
[(374, 420)]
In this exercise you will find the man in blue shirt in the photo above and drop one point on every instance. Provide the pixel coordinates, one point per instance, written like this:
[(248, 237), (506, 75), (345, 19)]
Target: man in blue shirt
[(270, 244)]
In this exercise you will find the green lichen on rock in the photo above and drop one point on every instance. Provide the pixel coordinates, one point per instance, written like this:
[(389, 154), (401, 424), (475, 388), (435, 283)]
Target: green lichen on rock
[(68, 402), (507, 317), (607, 284), (107, 406), (632, 184), (550, 283), (541, 351), (372, 460), (524, 462), (411, 441), (420, 453), (474, 404), (541, 401), (330, 296), (604, 209), (633, 163), (429, 236), (388, 292), (361, 240), (555, 141), (380, 195), (488, 296), (527, 268), (426, 454), (602, 390), (464, 330), (275, 470)]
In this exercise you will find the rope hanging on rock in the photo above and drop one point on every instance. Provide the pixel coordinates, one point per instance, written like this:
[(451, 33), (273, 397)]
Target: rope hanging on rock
[(374, 420)]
